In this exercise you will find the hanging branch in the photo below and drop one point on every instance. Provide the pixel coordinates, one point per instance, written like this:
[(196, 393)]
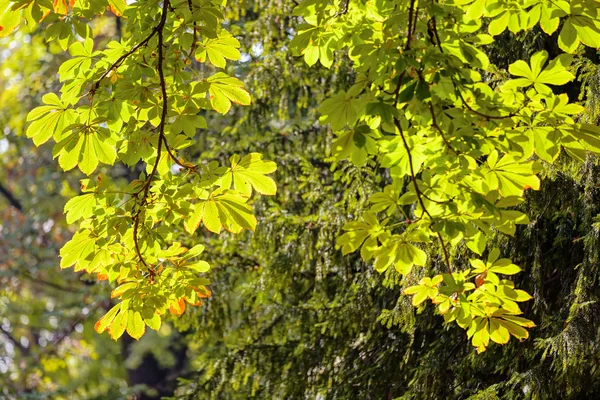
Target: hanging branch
[(436, 126), (193, 48), (410, 32), (486, 116), (432, 25), (161, 133), (418, 191), (122, 59)]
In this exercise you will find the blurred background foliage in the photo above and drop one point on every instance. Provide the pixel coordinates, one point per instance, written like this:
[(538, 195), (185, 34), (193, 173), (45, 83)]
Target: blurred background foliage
[(289, 317)]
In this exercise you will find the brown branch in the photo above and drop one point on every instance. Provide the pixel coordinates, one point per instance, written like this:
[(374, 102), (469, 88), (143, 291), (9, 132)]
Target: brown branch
[(121, 59), (409, 30), (418, 192), (11, 199), (161, 134), (486, 116), (436, 126), (437, 36), (191, 167), (407, 148), (14, 341), (193, 48), (433, 26)]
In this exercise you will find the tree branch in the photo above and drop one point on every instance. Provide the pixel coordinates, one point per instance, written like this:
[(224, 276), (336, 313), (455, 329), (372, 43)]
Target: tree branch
[(11, 199), (436, 126), (158, 30)]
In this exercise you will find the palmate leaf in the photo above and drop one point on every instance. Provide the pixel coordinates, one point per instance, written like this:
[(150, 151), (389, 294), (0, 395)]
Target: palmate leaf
[(223, 209), (387, 200), (224, 90), (511, 176), (493, 266), (81, 61), (225, 46), (249, 173), (339, 110), (49, 120), (365, 233), (427, 288), (401, 254), (555, 73), (497, 325), (86, 149), (354, 144), (80, 207)]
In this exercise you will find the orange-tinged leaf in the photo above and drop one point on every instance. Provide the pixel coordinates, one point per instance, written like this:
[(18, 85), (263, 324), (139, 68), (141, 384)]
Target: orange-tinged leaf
[(117, 326), (177, 307), (117, 7), (193, 303), (203, 292), (9, 19), (61, 7), (118, 292), (105, 321)]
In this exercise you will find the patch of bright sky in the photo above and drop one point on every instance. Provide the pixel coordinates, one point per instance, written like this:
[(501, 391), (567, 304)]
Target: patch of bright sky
[(3, 146)]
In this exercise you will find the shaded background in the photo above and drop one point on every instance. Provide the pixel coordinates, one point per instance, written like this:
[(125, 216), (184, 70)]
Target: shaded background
[(289, 317)]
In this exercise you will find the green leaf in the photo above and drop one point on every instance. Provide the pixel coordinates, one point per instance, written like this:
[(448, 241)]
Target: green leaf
[(249, 173), (407, 256), (80, 207), (135, 324), (498, 332), (339, 110), (211, 218), (503, 266), (237, 214), (117, 326), (357, 232), (9, 19), (224, 89), (477, 243), (77, 249), (219, 49), (199, 266), (481, 334), (510, 175), (49, 120), (117, 6), (568, 40), (154, 322)]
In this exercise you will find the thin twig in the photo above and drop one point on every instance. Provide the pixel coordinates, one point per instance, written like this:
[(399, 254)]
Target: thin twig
[(433, 25), (486, 116), (418, 191), (436, 126), (121, 59), (193, 48)]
